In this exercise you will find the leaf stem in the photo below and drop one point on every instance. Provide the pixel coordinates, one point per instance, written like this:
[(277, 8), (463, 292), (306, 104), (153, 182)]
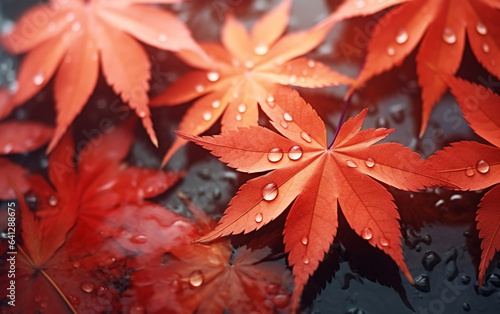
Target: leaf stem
[(71, 308), (341, 120)]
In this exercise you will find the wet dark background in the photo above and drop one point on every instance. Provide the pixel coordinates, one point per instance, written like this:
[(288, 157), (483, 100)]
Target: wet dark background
[(440, 241)]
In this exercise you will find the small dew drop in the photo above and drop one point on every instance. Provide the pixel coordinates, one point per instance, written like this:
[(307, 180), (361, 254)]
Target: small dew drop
[(199, 88), (283, 124), (76, 26), (287, 117), (258, 218), (270, 101), (360, 4), (384, 242), (295, 152), (196, 278), (469, 172), (236, 94), (351, 164), (367, 234), (76, 264), (304, 240), (213, 76), (207, 115), (216, 104), (306, 260), (391, 51), (401, 36), (293, 79), (481, 28), (482, 166), (261, 49), (139, 239), (242, 108), (53, 200), (238, 117), (88, 286), (449, 36), (269, 192), (70, 16), (39, 79), (370, 162), (486, 48), (275, 155), (162, 38), (305, 137), (249, 64), (311, 63)]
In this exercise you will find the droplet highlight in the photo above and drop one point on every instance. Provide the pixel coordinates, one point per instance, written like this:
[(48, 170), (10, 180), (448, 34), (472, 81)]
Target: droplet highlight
[(391, 51), (216, 104), (311, 63), (482, 166), (481, 28), (196, 278), (139, 239), (261, 49), (199, 88), (384, 242), (304, 240), (213, 76), (449, 36), (360, 4), (305, 260), (486, 48), (269, 192), (295, 152), (249, 64), (242, 108), (351, 164), (162, 38), (401, 36), (305, 137), (287, 117), (367, 234), (39, 79), (53, 200), (469, 172), (87, 286), (258, 218), (275, 155), (207, 115), (293, 79), (370, 162)]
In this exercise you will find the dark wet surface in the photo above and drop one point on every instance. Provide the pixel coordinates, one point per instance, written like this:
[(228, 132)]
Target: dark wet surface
[(440, 243)]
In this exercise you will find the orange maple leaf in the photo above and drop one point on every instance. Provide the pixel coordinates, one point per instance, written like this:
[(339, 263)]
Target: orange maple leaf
[(440, 26), (475, 166), (317, 177), (243, 71), (72, 37)]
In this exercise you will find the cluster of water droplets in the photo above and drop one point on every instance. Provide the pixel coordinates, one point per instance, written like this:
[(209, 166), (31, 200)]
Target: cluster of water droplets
[(481, 166)]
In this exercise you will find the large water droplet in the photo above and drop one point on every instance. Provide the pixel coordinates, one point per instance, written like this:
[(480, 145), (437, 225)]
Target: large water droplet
[(275, 155), (213, 76), (367, 234), (38, 79), (486, 48), (481, 28), (401, 36), (351, 164), (384, 242), (391, 51), (482, 166), (216, 104), (430, 260), (305, 137), (242, 108), (207, 115), (270, 192), (87, 286), (53, 200), (162, 38), (261, 49), (196, 278), (370, 162), (258, 218), (469, 172), (305, 260), (139, 239), (295, 152), (304, 240), (449, 36)]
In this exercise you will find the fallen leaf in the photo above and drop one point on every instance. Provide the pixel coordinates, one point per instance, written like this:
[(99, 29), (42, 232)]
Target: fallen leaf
[(243, 71), (316, 177), (73, 37), (439, 28), (475, 166)]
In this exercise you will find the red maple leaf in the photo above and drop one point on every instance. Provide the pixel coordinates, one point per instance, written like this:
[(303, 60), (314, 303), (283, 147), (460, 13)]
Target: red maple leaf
[(73, 37), (440, 26), (243, 71), (474, 166), (107, 197), (18, 137), (316, 177), (208, 278)]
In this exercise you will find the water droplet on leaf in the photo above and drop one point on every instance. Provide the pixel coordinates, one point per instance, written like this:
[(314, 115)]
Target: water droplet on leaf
[(242, 108), (486, 48), (367, 234), (305, 137), (88, 286), (163, 38), (469, 172), (39, 79), (275, 155), (139, 239), (287, 117), (351, 164), (216, 104), (258, 218), (304, 240), (384, 242), (295, 152), (199, 88), (53, 200), (270, 192), (391, 51), (449, 36), (481, 28), (207, 116), (370, 162), (196, 278), (213, 76), (482, 166), (401, 36), (261, 49), (306, 260)]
